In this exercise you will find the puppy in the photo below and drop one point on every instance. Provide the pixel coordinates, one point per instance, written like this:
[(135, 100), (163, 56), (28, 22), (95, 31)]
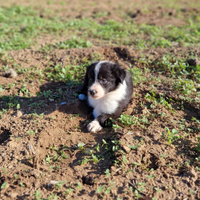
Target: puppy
[(108, 89)]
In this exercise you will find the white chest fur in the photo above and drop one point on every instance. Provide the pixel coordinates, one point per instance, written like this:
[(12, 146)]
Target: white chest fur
[(109, 103)]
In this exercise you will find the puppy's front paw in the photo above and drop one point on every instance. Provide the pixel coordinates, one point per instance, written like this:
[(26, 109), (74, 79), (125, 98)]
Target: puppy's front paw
[(94, 126), (82, 97)]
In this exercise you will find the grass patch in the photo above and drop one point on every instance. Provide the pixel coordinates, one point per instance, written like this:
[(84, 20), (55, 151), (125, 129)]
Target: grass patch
[(69, 73), (20, 26), (68, 44)]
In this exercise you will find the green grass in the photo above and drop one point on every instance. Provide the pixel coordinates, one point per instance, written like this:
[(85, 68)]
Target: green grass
[(143, 36), (137, 75), (20, 26), (69, 73), (182, 77), (68, 44), (170, 136)]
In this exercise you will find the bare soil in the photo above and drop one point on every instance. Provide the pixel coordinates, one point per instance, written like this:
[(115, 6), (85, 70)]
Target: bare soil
[(161, 167), (152, 12)]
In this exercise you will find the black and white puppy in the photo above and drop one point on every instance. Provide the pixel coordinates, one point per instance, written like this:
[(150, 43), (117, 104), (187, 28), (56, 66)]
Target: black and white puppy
[(108, 88)]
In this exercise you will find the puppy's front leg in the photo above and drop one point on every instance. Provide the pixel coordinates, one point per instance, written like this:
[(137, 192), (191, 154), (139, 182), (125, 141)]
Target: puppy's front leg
[(95, 125)]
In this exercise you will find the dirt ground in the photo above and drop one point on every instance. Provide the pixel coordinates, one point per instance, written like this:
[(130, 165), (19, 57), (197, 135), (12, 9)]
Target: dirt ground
[(53, 153), (153, 12)]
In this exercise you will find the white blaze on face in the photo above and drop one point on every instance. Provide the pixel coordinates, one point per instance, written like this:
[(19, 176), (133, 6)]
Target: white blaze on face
[(96, 86)]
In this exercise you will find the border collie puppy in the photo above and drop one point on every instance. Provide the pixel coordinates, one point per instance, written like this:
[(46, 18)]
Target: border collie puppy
[(108, 89)]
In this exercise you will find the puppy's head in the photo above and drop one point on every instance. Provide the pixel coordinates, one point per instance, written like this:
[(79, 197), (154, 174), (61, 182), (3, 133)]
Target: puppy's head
[(104, 77)]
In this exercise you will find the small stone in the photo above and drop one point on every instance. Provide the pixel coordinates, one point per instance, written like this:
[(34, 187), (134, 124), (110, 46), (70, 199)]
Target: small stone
[(30, 148), (193, 62), (113, 169), (87, 151), (11, 194), (21, 94), (156, 137), (52, 183), (144, 111), (180, 194), (184, 10), (129, 133), (11, 73), (19, 113), (193, 173), (187, 124), (174, 43), (126, 149), (166, 175), (28, 184), (119, 171), (17, 157), (89, 180)]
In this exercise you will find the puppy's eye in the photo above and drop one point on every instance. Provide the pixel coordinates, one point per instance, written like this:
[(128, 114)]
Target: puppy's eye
[(90, 79), (103, 81)]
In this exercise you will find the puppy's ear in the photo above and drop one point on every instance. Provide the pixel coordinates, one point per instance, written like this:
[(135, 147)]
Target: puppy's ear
[(119, 72), (85, 84), (90, 67)]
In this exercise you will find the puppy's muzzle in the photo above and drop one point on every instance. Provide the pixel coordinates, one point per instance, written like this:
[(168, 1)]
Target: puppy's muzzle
[(92, 92)]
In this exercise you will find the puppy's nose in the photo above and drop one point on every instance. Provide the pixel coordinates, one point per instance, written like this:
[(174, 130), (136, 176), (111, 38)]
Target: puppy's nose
[(92, 92)]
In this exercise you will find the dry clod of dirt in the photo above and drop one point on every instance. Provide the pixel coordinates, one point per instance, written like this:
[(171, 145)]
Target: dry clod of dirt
[(87, 151), (52, 183), (89, 180), (12, 194), (11, 73), (21, 94), (144, 111), (193, 173), (193, 62), (19, 113), (31, 150), (126, 149), (156, 136)]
